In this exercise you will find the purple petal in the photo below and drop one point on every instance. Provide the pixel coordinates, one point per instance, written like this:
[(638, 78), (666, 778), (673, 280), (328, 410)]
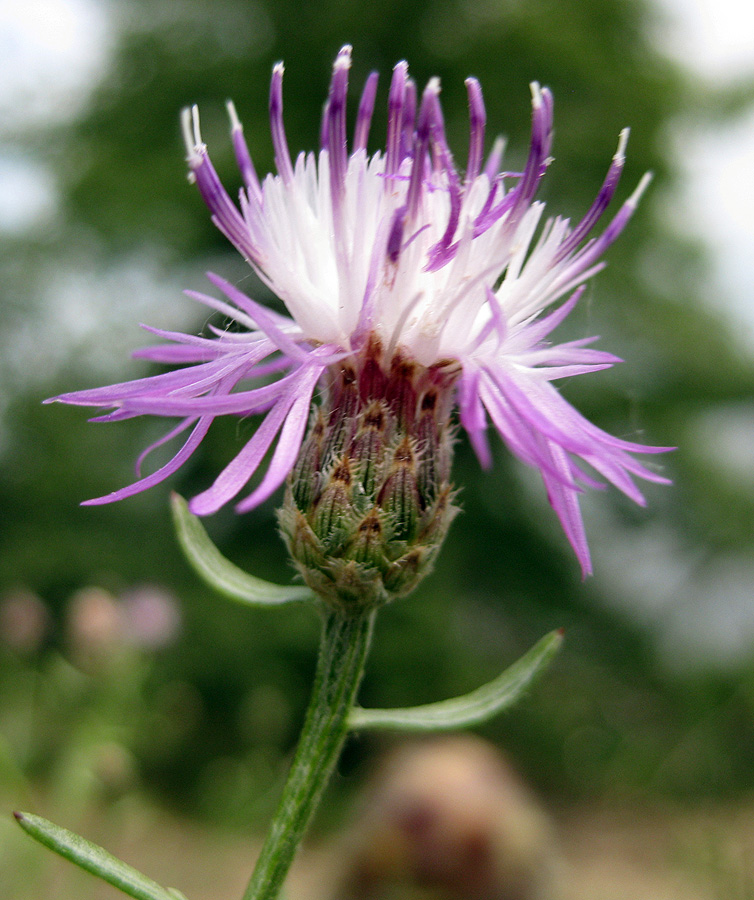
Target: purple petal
[(237, 473), (225, 214), (600, 204), (477, 122), (473, 418), (217, 403), (364, 115), (521, 440), (279, 141), (395, 121), (336, 127), (243, 157), (539, 330), (565, 502), (153, 384), (288, 446), (590, 253), (166, 438), (261, 316), (195, 438), (427, 118)]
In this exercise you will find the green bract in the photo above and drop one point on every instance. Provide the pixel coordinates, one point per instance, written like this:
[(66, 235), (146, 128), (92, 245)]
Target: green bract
[(369, 500)]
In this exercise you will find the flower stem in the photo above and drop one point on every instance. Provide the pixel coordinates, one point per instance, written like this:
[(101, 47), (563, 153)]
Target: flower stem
[(343, 651)]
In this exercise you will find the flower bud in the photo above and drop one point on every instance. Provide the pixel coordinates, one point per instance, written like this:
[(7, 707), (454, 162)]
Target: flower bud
[(369, 501)]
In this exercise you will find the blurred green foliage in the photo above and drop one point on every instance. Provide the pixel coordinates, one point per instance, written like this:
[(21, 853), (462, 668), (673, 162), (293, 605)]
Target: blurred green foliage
[(213, 712)]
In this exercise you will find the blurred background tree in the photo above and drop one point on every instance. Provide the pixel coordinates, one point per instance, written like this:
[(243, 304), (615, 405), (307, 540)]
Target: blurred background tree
[(642, 703)]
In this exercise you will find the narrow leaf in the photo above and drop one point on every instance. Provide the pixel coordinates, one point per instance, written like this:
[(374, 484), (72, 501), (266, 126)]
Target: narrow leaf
[(94, 859), (470, 709), (220, 573)]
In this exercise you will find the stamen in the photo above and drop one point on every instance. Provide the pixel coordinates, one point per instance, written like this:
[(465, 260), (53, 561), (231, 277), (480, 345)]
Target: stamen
[(600, 203), (336, 119), (595, 248), (366, 110), (343, 59), (395, 121), (442, 252), (536, 94), (480, 222), (243, 157), (409, 119), (495, 158), (540, 144), (235, 122), (491, 214), (438, 145), (282, 156), (633, 200), (192, 137), (477, 122), (395, 238), (427, 117), (224, 213), (620, 153), (338, 162)]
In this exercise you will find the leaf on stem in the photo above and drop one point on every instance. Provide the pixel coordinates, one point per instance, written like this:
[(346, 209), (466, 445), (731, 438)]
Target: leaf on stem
[(470, 709), (94, 859), (220, 573)]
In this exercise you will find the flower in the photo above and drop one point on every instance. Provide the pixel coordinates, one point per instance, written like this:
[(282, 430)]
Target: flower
[(393, 256)]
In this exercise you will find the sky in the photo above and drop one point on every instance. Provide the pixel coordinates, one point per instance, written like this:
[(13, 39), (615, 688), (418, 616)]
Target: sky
[(51, 51), (715, 39)]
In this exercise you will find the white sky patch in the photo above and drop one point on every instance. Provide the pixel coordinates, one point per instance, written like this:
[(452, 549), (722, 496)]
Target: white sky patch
[(717, 202), (713, 37), (714, 40), (53, 52), (28, 197)]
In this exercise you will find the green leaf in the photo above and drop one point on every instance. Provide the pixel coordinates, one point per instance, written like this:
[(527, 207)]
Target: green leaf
[(220, 573), (94, 859), (470, 709)]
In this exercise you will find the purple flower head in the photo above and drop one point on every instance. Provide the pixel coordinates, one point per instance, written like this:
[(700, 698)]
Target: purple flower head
[(402, 250)]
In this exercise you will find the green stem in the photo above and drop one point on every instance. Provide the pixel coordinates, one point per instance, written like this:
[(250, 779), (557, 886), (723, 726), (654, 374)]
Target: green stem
[(343, 651)]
